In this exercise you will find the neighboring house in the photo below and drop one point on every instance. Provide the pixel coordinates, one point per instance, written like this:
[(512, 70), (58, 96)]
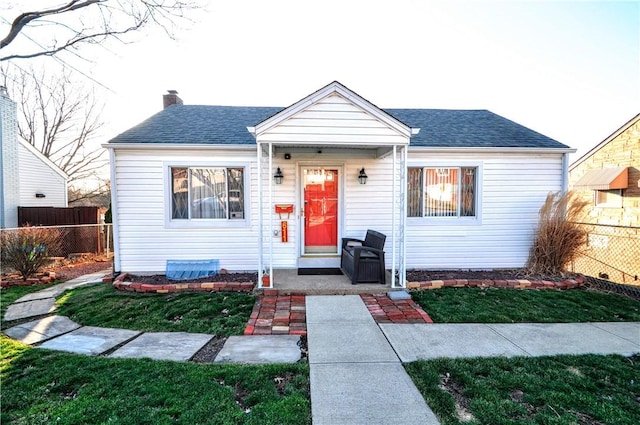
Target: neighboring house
[(42, 183), (27, 178), (451, 189), (608, 178)]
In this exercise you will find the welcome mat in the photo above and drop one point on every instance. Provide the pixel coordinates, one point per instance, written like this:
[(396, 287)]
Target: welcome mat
[(319, 271)]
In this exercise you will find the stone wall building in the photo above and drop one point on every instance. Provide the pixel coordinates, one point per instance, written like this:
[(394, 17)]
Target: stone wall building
[(608, 178)]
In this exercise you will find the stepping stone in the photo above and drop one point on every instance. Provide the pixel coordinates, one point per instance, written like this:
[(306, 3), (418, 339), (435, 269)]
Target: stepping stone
[(176, 346), (260, 349), (40, 295), (28, 309), (41, 330), (90, 340)]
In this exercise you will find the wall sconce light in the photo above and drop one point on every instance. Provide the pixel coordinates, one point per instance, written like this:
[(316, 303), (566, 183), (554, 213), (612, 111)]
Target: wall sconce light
[(40, 195), (362, 177), (278, 176)]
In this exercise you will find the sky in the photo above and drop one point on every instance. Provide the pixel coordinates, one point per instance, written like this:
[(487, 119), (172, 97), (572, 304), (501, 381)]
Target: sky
[(567, 69)]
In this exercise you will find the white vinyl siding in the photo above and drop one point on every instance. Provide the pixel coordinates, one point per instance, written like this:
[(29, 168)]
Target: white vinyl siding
[(511, 190), (147, 240), (333, 120), (368, 206), (37, 176)]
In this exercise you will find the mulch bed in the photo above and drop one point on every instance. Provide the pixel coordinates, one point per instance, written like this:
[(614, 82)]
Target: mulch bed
[(68, 270), (499, 274), (223, 277), (412, 276)]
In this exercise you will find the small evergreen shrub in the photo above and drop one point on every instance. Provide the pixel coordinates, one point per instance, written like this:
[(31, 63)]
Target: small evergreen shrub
[(26, 249), (560, 238)]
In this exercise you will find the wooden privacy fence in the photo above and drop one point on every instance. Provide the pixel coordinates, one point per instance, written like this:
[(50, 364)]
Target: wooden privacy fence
[(76, 236), (53, 216)]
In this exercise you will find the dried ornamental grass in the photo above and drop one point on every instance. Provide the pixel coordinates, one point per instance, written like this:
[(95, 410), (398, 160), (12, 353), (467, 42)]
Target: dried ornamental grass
[(560, 238)]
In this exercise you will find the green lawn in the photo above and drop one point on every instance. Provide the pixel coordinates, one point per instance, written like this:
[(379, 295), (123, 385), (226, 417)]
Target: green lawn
[(45, 387), (571, 390), (495, 305), (219, 313)]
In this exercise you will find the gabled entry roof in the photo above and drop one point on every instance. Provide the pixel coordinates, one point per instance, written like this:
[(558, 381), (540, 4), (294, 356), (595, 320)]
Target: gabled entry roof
[(227, 125), (334, 88)]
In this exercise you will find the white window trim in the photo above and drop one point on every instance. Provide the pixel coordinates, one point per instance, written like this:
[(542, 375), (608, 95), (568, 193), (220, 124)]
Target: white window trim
[(204, 223), (452, 221)]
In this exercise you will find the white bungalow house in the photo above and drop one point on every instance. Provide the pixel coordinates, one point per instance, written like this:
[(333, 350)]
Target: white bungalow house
[(262, 188), (27, 177)]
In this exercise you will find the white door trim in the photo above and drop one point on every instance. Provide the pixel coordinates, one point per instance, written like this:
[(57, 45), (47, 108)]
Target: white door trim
[(324, 259)]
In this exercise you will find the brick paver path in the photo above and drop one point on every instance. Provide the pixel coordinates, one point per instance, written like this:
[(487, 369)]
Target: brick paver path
[(275, 314), (385, 310)]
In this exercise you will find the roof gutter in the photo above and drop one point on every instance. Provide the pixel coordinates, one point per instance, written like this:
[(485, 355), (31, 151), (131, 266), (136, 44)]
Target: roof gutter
[(176, 146), (491, 149)]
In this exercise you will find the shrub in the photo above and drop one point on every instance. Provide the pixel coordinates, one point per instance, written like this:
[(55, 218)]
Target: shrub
[(26, 249), (560, 238)]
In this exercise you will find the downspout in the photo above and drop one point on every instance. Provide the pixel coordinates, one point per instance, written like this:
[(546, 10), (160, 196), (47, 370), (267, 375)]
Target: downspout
[(66, 191), (114, 214), (565, 172)]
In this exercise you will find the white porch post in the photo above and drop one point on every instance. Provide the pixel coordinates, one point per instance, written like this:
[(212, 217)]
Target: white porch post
[(398, 218), (269, 214), (260, 218), (394, 211), (403, 218)]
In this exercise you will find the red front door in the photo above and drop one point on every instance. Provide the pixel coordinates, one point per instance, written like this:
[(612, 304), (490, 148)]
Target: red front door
[(320, 210)]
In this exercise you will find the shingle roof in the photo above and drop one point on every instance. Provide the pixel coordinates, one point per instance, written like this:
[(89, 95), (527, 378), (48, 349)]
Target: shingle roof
[(196, 124), (469, 128)]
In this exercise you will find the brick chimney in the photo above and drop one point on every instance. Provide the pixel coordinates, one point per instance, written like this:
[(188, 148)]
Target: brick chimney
[(171, 98)]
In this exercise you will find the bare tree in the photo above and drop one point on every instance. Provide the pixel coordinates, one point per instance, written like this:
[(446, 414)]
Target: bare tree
[(99, 195), (60, 119), (65, 27)]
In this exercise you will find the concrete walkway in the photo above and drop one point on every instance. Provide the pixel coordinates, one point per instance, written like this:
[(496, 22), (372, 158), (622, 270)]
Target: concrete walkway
[(356, 370), (356, 377)]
